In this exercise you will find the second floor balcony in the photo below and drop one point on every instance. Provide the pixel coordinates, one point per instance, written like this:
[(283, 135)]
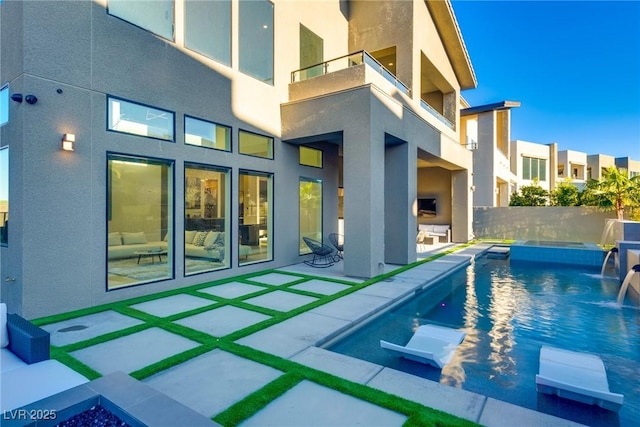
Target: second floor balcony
[(351, 71)]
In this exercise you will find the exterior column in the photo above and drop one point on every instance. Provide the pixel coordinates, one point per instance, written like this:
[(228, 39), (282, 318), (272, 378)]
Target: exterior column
[(399, 208), (461, 212), (363, 172)]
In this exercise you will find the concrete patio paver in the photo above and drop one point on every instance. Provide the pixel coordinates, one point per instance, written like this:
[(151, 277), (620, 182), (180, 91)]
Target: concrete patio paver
[(352, 307), (168, 306), (134, 351), (320, 287), (232, 290), (291, 336), (90, 326), (281, 300), (462, 403), (275, 279), (502, 414), (212, 382), (350, 368), (309, 404), (222, 321)]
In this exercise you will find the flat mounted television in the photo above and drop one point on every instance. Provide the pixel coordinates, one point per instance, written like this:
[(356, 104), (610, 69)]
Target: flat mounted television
[(426, 208)]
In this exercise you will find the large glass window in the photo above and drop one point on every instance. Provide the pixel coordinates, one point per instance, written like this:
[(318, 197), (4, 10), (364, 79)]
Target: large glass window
[(4, 196), (139, 220), (155, 16), (4, 105), (256, 212), (206, 134), (255, 145), (139, 119), (256, 39), (534, 168), (311, 53), (310, 212), (206, 218), (208, 28), (310, 157)]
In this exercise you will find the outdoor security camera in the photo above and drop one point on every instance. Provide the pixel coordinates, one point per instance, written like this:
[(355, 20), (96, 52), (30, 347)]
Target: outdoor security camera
[(31, 99), (17, 97)]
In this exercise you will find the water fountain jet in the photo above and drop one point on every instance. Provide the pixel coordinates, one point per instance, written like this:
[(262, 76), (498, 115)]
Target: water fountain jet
[(625, 284), (614, 252)]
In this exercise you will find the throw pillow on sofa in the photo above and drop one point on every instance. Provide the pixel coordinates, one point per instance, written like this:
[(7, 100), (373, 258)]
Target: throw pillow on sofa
[(134, 238), (200, 237), (115, 239), (210, 239), (189, 235)]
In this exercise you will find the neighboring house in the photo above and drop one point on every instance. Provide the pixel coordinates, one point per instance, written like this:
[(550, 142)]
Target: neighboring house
[(632, 166), (486, 130), (597, 163), (531, 161), (572, 164), (208, 138)]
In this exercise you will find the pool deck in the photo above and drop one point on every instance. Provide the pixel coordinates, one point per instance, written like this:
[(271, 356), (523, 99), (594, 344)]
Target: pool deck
[(212, 381)]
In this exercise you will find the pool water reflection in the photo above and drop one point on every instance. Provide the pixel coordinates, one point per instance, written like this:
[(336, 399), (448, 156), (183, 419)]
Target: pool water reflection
[(509, 311)]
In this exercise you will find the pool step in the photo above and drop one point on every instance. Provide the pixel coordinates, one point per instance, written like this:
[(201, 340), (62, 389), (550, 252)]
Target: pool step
[(498, 252)]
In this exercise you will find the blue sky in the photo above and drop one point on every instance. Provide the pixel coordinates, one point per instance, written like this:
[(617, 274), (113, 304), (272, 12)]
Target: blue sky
[(574, 66)]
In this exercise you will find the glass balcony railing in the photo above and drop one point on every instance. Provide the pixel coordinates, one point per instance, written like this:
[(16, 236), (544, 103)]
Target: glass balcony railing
[(436, 114), (345, 62)]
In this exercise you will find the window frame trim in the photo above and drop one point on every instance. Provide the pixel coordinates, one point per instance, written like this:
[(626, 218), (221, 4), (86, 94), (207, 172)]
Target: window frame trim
[(184, 133)]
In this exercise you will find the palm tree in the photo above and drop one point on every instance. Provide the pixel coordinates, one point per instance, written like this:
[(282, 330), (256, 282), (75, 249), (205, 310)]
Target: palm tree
[(614, 191)]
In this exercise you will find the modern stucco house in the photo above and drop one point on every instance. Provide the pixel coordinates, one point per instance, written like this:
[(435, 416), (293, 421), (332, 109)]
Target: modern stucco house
[(486, 129), (209, 137)]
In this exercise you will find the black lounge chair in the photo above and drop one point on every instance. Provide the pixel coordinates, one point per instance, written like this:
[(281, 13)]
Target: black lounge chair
[(323, 255), (337, 240)]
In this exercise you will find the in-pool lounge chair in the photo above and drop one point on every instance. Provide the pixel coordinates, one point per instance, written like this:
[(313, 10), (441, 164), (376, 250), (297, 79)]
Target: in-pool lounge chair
[(576, 376), (430, 344)]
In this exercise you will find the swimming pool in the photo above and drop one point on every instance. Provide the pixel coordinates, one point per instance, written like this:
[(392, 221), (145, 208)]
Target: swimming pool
[(508, 311)]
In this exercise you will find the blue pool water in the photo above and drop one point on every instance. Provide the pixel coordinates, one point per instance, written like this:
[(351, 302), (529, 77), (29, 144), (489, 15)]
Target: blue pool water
[(509, 309)]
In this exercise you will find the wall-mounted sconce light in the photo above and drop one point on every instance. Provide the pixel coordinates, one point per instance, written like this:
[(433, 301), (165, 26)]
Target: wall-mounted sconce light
[(68, 139), (17, 97)]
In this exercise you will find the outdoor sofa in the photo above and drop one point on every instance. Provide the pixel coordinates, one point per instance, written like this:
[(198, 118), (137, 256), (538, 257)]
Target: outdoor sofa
[(434, 231), (26, 372)]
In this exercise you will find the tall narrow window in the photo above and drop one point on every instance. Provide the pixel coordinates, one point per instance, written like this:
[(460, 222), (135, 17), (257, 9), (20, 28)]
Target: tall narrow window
[(310, 212), (4, 105), (206, 134), (4, 196), (256, 212), (139, 221), (256, 39), (311, 53), (208, 28), (155, 16), (206, 218)]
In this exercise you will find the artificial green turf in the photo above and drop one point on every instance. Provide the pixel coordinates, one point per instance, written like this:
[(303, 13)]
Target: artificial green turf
[(417, 414)]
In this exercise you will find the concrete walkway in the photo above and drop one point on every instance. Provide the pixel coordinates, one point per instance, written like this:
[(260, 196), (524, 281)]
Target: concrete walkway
[(211, 382)]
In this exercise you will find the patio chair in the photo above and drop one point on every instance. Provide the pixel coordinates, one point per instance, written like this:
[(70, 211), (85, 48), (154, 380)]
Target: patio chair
[(323, 255), (337, 240)]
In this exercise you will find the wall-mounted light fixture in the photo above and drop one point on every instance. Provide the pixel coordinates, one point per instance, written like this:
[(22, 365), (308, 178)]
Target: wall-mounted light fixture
[(68, 139)]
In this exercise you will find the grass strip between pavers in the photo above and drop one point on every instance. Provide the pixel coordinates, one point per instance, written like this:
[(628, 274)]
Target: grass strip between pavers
[(294, 373)]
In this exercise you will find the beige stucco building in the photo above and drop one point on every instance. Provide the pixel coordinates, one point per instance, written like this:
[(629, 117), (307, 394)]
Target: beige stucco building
[(210, 137)]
